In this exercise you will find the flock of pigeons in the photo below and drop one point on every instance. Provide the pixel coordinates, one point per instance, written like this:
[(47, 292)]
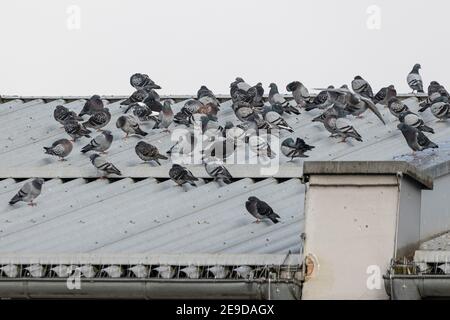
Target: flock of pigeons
[(145, 106)]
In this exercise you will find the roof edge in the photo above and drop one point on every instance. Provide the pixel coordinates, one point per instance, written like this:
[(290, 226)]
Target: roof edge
[(367, 167)]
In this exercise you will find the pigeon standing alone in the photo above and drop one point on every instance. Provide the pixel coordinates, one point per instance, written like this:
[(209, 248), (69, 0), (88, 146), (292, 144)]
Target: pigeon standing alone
[(181, 175), (29, 191), (415, 138), (295, 149), (103, 165), (415, 80), (148, 152), (60, 148), (260, 210), (100, 143), (129, 125)]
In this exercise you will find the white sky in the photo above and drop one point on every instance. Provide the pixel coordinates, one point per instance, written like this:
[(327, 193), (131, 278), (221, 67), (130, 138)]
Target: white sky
[(183, 44)]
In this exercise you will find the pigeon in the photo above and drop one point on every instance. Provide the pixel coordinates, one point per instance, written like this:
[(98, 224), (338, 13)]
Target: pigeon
[(243, 110), (257, 92), (144, 114), (100, 143), (276, 99), (146, 95), (353, 103), (61, 114), (129, 125), (206, 96), (299, 92), (29, 191), (362, 87), (382, 97), (148, 152), (166, 115), (261, 147), (93, 105), (237, 88), (98, 120), (415, 80), (277, 121), (434, 95), (295, 149), (76, 130), (60, 148), (181, 175), (338, 127), (415, 138), (397, 107), (260, 210), (185, 115), (441, 110), (103, 165), (321, 101), (336, 111), (216, 170), (140, 81), (415, 121)]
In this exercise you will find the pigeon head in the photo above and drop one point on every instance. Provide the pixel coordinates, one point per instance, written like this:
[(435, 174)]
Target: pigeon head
[(167, 103), (416, 67), (402, 127), (434, 83), (288, 142), (358, 78), (121, 121), (38, 182), (344, 86), (177, 166), (95, 97), (93, 156), (107, 133), (203, 87), (330, 87), (228, 125), (239, 79), (253, 199), (273, 86), (442, 90), (60, 108)]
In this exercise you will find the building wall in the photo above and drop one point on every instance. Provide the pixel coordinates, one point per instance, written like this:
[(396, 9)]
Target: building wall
[(436, 209), (351, 230)]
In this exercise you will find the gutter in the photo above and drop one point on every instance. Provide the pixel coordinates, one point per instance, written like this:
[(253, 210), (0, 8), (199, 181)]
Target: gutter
[(417, 287), (57, 288)]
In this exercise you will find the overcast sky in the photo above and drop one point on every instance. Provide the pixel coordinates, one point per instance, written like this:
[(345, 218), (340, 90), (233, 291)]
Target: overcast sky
[(59, 47)]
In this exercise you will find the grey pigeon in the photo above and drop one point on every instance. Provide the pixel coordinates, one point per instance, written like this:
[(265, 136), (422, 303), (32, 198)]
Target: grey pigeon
[(261, 147), (166, 115), (257, 92), (60, 148), (382, 97), (353, 103), (148, 152), (340, 128), (210, 127), (435, 94), (441, 110), (277, 121), (103, 165), (146, 95), (295, 149), (216, 170), (362, 87), (144, 113), (75, 130), (206, 96), (61, 114), (276, 100), (260, 210), (415, 80), (397, 107), (415, 138), (239, 90), (140, 81), (98, 120), (299, 92), (93, 104), (129, 125), (243, 110), (335, 110), (321, 101), (100, 143), (29, 191), (415, 121), (181, 175)]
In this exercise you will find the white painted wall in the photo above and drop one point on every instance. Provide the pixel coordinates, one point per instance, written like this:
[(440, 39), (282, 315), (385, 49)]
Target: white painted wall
[(351, 225)]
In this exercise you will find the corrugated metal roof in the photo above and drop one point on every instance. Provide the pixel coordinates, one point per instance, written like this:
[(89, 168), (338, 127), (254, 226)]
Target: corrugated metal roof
[(125, 216), (25, 127)]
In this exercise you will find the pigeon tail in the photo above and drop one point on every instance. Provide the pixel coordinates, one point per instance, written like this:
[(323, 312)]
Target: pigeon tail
[(426, 129), (140, 132), (15, 199), (274, 217), (87, 148)]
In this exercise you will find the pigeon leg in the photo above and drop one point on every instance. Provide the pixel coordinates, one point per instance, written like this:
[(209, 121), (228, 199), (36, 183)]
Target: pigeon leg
[(32, 204), (257, 221)]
